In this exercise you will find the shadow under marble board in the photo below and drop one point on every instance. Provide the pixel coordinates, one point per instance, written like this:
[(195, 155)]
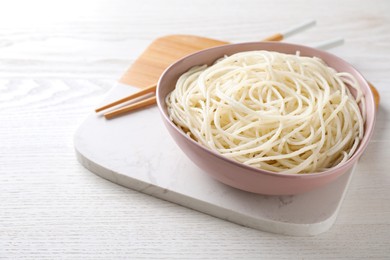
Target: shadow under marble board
[(137, 152)]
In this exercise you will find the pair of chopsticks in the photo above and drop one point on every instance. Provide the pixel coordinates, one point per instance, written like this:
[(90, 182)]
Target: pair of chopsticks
[(150, 100), (134, 106)]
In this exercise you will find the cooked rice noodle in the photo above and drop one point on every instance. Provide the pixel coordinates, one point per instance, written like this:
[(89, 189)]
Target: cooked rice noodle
[(273, 111)]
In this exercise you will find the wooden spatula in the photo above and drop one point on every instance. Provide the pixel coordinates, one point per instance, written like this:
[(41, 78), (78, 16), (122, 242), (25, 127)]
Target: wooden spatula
[(162, 52)]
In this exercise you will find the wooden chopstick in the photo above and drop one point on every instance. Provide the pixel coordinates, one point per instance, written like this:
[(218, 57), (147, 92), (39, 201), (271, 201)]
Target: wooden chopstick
[(152, 88), (141, 104), (274, 38), (290, 31)]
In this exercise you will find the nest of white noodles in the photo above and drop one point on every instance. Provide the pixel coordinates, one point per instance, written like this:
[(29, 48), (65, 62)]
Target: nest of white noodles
[(273, 111)]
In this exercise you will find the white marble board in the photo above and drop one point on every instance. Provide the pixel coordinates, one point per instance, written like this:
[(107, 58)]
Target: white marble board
[(137, 152)]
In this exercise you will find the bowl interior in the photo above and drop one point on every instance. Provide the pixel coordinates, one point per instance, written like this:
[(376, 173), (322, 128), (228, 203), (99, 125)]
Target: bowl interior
[(169, 78)]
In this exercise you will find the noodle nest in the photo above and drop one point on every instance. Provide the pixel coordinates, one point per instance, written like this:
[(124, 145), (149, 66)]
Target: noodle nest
[(273, 111)]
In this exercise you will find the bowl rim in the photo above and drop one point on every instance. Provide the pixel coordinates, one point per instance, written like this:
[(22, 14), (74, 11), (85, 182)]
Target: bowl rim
[(343, 167)]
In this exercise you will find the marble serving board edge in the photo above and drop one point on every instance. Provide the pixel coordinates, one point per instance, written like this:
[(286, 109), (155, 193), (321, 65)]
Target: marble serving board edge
[(202, 206), (249, 219)]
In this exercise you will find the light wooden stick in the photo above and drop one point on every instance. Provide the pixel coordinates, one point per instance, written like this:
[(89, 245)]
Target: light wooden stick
[(144, 103), (140, 93), (329, 44), (291, 31), (274, 38), (298, 28)]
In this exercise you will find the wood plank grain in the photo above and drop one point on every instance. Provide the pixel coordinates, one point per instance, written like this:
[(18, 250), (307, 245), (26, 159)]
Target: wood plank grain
[(56, 63), (161, 53)]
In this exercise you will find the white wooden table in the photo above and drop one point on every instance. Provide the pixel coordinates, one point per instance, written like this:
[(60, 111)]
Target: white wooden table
[(57, 60)]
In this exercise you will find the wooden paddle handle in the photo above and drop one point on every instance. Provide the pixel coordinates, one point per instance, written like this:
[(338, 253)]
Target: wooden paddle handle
[(375, 93)]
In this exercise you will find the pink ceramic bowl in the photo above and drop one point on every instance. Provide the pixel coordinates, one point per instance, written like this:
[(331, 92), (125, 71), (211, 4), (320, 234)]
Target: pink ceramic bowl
[(246, 177)]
